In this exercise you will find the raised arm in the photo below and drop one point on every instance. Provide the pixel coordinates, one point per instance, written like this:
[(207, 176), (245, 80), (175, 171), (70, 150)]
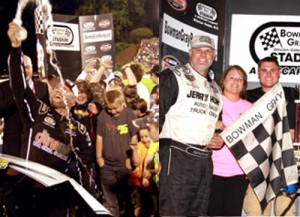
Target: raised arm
[(104, 65), (20, 89), (129, 74)]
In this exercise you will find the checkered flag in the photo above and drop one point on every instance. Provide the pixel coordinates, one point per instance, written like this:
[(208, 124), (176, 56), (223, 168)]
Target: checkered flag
[(39, 20), (261, 142), (270, 39)]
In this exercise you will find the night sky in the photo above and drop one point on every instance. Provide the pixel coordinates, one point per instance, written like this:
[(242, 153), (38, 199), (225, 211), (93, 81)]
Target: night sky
[(7, 13), (67, 7)]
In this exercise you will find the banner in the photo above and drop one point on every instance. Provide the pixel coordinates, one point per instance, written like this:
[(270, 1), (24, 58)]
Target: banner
[(97, 38), (261, 142), (266, 35), (181, 20), (75, 41)]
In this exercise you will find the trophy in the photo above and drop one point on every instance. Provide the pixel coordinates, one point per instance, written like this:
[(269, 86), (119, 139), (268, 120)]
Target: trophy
[(18, 19)]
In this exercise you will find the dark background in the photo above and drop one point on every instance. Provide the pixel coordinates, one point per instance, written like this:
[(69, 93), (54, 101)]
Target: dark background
[(7, 14), (65, 7)]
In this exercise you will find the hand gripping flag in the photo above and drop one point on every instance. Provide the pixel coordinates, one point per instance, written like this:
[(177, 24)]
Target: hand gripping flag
[(261, 142)]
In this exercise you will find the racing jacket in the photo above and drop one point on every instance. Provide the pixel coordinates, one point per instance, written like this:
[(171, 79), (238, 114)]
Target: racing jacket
[(189, 106), (53, 138)]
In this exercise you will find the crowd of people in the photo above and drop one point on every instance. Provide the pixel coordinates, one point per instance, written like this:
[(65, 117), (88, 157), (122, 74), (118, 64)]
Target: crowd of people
[(148, 52), (200, 175), (97, 130), (139, 152)]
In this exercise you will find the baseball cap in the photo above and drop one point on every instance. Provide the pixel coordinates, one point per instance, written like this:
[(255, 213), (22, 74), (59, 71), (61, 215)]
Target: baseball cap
[(151, 117), (202, 41)]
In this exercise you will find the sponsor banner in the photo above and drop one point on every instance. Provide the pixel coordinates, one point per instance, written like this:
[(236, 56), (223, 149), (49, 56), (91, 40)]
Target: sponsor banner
[(75, 40), (65, 36), (202, 14), (181, 20), (179, 35), (266, 35), (97, 38), (64, 40)]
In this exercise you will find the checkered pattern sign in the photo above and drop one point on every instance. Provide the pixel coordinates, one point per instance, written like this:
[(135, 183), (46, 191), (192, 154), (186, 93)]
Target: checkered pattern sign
[(39, 21), (261, 142), (270, 39)]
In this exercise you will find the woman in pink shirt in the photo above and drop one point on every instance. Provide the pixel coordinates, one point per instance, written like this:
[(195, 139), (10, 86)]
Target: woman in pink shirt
[(229, 181)]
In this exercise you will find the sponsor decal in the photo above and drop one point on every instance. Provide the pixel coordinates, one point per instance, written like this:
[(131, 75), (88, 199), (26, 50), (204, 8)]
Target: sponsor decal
[(106, 57), (211, 74), (81, 128), (169, 61), (206, 15), (49, 121), (177, 33), (97, 36), (90, 49), (204, 104), (60, 35), (178, 5), (187, 73), (186, 69), (50, 145), (105, 47), (206, 12), (88, 138), (105, 23), (177, 70), (71, 126), (89, 25), (71, 129), (43, 109), (92, 61)]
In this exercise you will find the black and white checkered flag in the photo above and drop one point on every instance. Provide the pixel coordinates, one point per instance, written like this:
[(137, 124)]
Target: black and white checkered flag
[(39, 20), (270, 39), (261, 142)]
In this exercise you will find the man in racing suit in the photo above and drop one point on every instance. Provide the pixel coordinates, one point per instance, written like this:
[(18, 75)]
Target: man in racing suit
[(54, 135), (190, 103)]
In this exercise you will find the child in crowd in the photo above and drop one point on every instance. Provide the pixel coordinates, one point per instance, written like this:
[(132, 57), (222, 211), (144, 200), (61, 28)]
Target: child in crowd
[(86, 111), (151, 168), (143, 198), (140, 107), (116, 138)]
